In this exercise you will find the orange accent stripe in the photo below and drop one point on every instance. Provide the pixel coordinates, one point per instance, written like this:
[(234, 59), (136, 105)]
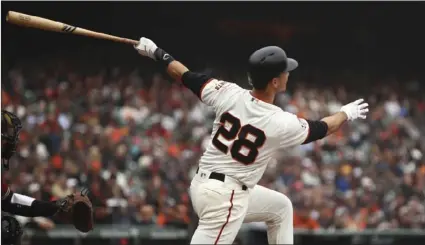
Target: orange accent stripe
[(227, 220), (203, 86)]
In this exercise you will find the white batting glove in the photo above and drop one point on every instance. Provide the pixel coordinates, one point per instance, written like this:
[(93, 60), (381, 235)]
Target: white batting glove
[(146, 47), (356, 109)]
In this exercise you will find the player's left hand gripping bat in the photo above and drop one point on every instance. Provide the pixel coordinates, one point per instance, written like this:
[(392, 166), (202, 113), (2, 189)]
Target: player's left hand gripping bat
[(51, 25)]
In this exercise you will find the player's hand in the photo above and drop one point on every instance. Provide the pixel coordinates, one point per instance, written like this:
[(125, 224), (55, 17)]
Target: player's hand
[(77, 209), (356, 109), (146, 47)]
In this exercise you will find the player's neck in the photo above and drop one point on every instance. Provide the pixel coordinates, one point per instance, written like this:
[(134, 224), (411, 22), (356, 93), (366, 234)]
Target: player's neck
[(266, 95)]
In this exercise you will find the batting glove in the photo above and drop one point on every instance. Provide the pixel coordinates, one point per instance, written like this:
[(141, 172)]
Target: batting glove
[(146, 47), (356, 109)]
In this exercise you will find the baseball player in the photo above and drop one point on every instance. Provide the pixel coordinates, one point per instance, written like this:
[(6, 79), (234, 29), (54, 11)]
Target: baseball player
[(18, 204), (247, 133), (13, 202)]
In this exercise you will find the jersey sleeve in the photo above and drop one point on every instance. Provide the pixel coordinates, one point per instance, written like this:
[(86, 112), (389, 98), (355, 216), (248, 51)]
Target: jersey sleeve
[(216, 92), (211, 91), (293, 130)]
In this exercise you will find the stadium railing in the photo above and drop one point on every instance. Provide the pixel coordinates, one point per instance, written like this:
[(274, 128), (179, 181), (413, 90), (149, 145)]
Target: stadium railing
[(135, 235)]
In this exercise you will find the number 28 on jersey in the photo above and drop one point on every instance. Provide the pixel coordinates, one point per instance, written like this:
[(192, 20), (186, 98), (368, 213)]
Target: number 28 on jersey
[(245, 140)]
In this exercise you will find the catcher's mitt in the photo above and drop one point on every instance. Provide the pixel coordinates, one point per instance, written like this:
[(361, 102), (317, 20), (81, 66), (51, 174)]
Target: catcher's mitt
[(77, 208)]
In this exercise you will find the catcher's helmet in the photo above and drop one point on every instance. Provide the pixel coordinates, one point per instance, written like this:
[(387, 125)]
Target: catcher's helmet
[(10, 128), (11, 230), (268, 63)]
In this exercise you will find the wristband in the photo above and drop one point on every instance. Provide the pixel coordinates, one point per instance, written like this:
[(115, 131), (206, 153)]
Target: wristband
[(163, 57)]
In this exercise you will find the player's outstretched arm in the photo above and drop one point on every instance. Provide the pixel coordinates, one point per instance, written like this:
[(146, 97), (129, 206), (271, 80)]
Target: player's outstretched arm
[(298, 131), (334, 122), (331, 124), (349, 112), (148, 48), (18, 204), (212, 95)]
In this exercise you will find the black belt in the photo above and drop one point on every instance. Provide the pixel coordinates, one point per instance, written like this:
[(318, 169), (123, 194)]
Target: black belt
[(221, 177)]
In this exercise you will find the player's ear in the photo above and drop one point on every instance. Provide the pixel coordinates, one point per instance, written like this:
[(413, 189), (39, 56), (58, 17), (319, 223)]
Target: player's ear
[(275, 83)]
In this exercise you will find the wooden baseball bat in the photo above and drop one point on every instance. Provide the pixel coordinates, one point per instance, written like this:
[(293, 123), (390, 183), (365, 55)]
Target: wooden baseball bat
[(51, 25)]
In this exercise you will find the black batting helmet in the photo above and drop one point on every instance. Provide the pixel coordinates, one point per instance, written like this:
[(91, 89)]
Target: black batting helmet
[(268, 63)]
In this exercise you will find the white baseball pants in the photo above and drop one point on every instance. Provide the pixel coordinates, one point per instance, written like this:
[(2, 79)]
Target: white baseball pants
[(222, 207)]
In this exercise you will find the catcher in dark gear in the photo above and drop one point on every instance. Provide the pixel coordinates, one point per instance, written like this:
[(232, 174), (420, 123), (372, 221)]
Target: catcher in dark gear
[(76, 208)]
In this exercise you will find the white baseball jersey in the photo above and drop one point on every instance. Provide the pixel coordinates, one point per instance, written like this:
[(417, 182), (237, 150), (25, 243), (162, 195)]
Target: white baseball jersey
[(247, 132)]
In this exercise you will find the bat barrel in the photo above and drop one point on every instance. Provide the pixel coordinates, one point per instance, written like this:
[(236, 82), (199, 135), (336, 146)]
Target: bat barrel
[(51, 25)]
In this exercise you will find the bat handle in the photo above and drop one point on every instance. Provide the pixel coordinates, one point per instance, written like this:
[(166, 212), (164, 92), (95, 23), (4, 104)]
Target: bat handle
[(130, 41)]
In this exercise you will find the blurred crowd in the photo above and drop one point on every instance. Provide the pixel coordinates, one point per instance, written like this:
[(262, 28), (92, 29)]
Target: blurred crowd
[(134, 141)]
